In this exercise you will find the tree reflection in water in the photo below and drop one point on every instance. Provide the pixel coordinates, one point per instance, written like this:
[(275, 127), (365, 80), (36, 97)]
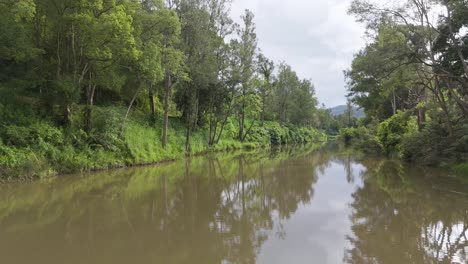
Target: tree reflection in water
[(406, 214), (211, 209)]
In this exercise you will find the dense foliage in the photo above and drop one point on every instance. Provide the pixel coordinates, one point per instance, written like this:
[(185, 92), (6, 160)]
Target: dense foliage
[(95, 84), (412, 79)]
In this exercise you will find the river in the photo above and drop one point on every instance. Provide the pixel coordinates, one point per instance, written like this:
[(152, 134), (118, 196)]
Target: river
[(290, 205)]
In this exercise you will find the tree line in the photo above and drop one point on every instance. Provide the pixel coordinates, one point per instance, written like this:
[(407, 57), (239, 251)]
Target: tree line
[(412, 77), (175, 58)]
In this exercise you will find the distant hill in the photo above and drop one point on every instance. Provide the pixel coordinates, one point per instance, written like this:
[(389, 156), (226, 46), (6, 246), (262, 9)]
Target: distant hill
[(341, 109)]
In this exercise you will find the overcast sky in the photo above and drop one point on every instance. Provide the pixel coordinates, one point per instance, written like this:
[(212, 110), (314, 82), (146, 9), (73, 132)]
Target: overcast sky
[(316, 37)]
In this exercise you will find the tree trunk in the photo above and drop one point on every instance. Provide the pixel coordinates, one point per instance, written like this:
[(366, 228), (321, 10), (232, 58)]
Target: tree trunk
[(128, 110), (66, 120), (222, 129), (215, 130), (187, 136), (89, 107), (421, 118), (167, 95), (212, 124), (151, 100), (241, 124), (393, 101), (242, 118), (248, 131)]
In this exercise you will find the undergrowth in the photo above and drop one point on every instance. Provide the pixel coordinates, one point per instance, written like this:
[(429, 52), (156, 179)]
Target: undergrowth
[(39, 148)]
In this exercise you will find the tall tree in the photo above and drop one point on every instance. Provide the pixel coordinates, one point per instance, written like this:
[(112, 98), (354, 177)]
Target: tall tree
[(287, 82), (172, 61), (266, 69), (247, 48)]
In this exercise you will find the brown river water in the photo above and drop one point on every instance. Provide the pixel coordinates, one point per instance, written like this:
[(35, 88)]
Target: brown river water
[(292, 205)]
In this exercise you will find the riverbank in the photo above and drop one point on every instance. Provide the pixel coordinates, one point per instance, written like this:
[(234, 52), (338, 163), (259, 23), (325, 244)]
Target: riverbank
[(40, 149), (403, 140)]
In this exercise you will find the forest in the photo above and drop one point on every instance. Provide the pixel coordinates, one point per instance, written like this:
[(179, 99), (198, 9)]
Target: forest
[(96, 84), (412, 81)]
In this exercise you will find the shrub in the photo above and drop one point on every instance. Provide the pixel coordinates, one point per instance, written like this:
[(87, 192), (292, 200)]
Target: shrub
[(362, 138), (22, 163), (392, 131), (278, 133), (435, 144), (107, 127), (259, 135), (33, 135)]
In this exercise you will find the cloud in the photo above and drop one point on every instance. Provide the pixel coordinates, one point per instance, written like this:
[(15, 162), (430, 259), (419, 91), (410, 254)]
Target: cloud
[(317, 38)]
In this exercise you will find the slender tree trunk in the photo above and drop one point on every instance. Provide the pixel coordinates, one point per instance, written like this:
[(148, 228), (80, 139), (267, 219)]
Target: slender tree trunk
[(394, 106), (222, 129), (66, 115), (211, 136), (421, 118), (248, 131), (187, 136), (241, 124), (215, 125), (215, 130), (89, 107), (151, 100), (242, 118), (128, 110), (167, 95)]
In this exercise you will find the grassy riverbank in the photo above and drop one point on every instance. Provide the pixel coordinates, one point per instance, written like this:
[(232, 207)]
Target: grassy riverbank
[(37, 148)]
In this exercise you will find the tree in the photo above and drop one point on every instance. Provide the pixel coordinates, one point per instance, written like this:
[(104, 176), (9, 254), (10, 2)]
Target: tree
[(287, 82), (172, 62), (302, 104), (430, 49), (247, 47), (266, 68)]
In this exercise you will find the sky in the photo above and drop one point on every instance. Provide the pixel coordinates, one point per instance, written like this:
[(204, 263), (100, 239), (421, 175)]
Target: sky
[(316, 37)]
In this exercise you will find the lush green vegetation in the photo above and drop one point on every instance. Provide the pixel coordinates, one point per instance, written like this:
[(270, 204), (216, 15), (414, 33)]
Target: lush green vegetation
[(94, 84), (41, 149), (412, 81)]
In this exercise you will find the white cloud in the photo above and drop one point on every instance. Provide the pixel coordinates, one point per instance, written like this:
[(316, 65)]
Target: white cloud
[(317, 38)]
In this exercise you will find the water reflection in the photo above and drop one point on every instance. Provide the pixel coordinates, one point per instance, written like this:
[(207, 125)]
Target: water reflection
[(204, 210), (406, 214), (231, 208)]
